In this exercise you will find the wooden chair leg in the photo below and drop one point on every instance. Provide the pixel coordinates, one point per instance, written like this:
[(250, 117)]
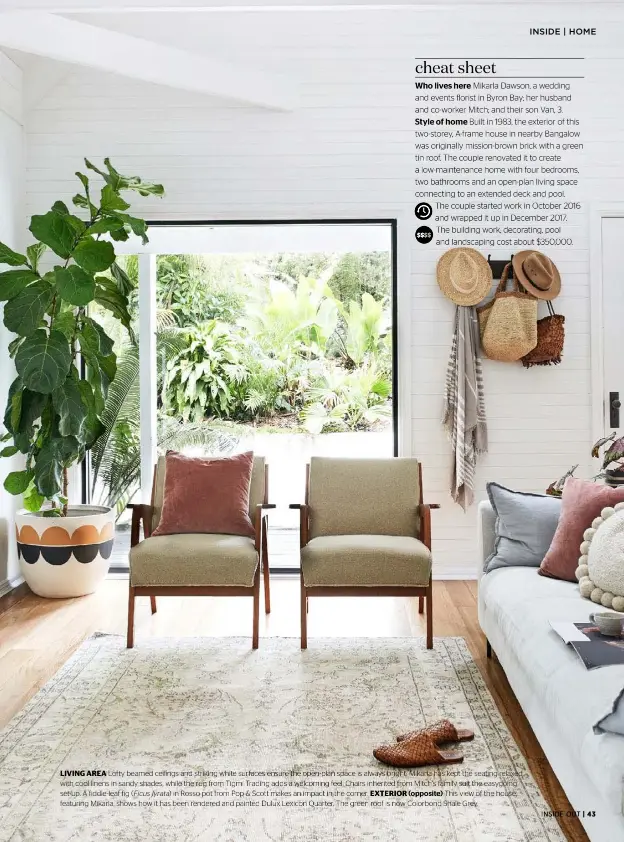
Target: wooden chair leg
[(256, 609), (421, 604), (130, 637), (265, 568), (430, 615), (304, 616), (153, 603)]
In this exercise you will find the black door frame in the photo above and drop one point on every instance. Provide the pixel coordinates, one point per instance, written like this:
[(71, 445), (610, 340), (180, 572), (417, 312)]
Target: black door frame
[(387, 221)]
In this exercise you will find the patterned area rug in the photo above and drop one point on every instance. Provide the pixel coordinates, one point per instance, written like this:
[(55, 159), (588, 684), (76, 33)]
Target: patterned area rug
[(205, 740)]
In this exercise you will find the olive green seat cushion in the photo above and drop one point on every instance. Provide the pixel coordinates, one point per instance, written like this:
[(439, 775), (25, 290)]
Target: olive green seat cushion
[(193, 559), (365, 561)]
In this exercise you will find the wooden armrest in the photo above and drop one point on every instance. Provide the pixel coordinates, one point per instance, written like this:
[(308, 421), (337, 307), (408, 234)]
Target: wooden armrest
[(432, 505), (140, 512), (268, 505), (424, 510), (303, 522), (258, 526)]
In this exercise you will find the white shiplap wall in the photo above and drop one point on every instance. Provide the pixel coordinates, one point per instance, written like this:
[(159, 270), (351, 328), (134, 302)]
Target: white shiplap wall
[(347, 151), (11, 219)]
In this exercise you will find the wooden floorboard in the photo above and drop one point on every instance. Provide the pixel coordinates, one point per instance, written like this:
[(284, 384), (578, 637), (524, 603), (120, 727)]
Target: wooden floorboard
[(38, 635)]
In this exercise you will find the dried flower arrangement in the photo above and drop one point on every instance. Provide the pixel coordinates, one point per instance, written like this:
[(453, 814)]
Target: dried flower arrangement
[(612, 449)]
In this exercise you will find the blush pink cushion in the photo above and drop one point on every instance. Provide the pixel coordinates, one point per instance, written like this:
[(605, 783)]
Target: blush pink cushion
[(582, 501), (206, 495)]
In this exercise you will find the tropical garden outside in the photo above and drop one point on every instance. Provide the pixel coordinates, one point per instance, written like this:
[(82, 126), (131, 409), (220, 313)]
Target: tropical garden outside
[(287, 354)]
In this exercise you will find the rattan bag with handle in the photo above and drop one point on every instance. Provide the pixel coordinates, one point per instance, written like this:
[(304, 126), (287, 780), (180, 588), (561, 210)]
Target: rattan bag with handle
[(550, 338), (508, 323)]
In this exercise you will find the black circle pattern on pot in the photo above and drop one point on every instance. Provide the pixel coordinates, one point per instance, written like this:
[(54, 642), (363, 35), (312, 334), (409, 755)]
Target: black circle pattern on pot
[(56, 555)]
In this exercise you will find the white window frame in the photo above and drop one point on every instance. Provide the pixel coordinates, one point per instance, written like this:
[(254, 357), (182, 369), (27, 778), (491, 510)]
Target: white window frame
[(147, 322)]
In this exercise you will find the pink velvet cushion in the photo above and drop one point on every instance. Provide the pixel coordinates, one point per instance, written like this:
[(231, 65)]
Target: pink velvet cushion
[(206, 495), (582, 501)]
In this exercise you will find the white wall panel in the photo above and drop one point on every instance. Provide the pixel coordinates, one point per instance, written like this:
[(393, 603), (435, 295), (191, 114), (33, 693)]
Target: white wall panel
[(11, 233)]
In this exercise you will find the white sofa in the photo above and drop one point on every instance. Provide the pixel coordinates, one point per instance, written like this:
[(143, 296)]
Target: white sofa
[(561, 698)]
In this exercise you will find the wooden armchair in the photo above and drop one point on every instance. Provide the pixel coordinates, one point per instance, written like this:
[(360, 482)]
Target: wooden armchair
[(365, 531), (199, 564)]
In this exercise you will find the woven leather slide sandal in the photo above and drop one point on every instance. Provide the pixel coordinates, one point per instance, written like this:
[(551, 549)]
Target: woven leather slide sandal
[(419, 751), (441, 732)]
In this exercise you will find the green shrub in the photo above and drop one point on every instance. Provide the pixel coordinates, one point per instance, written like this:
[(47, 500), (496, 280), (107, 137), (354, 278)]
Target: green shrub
[(347, 400), (300, 321), (365, 327), (205, 378)]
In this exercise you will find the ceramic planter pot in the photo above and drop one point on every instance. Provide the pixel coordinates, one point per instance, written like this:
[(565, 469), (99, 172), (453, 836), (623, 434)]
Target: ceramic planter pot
[(65, 556), (615, 477)]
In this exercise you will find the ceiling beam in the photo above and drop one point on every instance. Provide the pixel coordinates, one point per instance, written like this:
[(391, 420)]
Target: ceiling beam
[(80, 43)]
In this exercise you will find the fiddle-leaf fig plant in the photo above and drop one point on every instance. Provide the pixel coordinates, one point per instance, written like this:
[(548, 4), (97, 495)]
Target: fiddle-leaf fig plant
[(64, 359)]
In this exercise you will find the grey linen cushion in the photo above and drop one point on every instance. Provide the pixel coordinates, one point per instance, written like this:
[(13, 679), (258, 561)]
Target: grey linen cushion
[(525, 526)]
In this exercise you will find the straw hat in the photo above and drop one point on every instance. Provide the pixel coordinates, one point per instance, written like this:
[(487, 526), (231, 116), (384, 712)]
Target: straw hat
[(464, 276), (537, 274)]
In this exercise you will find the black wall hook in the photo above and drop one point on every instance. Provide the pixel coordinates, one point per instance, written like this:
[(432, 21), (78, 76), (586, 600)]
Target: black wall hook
[(497, 266)]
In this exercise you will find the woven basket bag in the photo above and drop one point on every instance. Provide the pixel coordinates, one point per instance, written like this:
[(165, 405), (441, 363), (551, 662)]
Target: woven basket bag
[(508, 324), (550, 338)]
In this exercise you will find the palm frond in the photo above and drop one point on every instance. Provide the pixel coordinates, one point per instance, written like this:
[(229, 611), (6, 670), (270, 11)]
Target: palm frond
[(175, 435), (122, 390), (120, 470)]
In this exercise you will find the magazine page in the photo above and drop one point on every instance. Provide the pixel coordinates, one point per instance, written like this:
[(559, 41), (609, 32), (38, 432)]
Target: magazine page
[(599, 650), (311, 379)]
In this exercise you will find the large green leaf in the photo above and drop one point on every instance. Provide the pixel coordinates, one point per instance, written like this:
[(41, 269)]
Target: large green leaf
[(34, 254), (32, 406), (108, 295), (108, 368), (13, 408), (94, 255), (24, 313), (14, 345), (123, 182), (65, 322), (94, 340), (106, 343), (93, 425), (68, 403), (136, 225), (125, 284), (120, 234), (89, 340), (75, 286), (10, 257), (18, 481), (110, 200), (14, 281), (55, 230), (101, 367), (43, 361), (33, 501), (106, 226), (48, 470), (56, 454)]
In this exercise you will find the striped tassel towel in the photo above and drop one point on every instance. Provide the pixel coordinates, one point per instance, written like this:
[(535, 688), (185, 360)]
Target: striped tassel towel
[(464, 406)]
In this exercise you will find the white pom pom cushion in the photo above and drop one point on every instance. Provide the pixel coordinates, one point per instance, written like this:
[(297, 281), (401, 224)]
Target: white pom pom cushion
[(600, 572)]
